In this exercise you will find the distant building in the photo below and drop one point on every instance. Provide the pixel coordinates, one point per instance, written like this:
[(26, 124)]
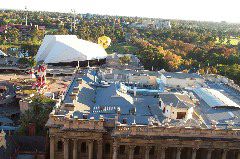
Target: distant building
[(113, 60), (153, 24), (24, 30), (181, 80), (9, 61), (161, 24), (128, 75)]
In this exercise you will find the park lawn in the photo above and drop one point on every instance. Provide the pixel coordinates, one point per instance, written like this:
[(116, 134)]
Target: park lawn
[(122, 48), (233, 41)]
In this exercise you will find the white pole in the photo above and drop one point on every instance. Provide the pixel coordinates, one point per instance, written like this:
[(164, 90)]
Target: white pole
[(26, 16), (74, 20), (73, 25)]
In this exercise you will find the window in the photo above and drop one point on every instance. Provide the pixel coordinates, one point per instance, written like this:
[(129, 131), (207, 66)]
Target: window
[(83, 147), (181, 115), (121, 149), (60, 146), (137, 150), (107, 148), (151, 152)]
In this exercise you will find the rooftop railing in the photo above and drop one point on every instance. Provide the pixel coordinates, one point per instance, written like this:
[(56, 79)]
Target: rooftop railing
[(146, 130), (66, 122)]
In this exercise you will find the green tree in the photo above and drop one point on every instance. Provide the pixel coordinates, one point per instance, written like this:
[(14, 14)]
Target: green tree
[(124, 59), (38, 114), (12, 34)]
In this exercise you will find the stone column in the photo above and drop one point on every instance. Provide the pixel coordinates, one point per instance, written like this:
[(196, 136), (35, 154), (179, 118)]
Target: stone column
[(90, 149), (99, 149), (179, 150), (238, 154), (75, 149), (209, 153), (194, 153), (147, 149), (163, 152), (157, 152), (131, 151), (115, 150), (52, 147), (224, 154), (66, 143)]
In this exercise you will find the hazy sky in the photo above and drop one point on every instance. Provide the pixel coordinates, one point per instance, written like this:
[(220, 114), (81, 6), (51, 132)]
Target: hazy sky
[(207, 10)]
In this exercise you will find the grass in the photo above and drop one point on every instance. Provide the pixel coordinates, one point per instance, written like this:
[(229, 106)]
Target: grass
[(233, 41), (121, 48)]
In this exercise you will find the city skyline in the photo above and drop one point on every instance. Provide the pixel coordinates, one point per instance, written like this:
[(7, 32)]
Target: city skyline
[(186, 10)]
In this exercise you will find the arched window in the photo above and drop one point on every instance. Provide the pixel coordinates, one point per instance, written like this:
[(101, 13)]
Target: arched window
[(83, 147), (137, 150), (151, 152), (107, 148), (59, 145), (121, 149)]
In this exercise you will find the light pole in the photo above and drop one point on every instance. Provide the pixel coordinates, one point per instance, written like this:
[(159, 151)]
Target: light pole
[(73, 25), (26, 16)]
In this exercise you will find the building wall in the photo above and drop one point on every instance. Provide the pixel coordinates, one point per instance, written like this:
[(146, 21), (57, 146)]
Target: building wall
[(140, 148), (171, 111), (186, 82), (147, 80), (8, 61)]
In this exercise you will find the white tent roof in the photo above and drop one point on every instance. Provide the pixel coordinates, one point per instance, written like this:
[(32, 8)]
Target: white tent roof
[(2, 53), (68, 48)]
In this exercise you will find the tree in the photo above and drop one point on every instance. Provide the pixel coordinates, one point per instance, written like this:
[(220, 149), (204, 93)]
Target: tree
[(38, 114), (124, 60), (12, 34), (61, 31), (238, 52), (23, 61), (27, 62), (36, 36)]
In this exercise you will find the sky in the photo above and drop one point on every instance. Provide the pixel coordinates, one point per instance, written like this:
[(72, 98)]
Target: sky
[(202, 10)]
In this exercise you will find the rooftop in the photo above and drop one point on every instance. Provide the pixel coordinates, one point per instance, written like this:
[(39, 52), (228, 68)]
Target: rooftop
[(181, 75), (176, 99), (86, 99), (108, 102)]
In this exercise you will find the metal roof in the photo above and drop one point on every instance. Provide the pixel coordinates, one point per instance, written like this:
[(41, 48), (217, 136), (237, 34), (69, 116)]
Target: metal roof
[(181, 75)]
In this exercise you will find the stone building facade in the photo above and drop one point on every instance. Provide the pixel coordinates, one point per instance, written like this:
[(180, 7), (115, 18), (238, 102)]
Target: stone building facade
[(100, 139)]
